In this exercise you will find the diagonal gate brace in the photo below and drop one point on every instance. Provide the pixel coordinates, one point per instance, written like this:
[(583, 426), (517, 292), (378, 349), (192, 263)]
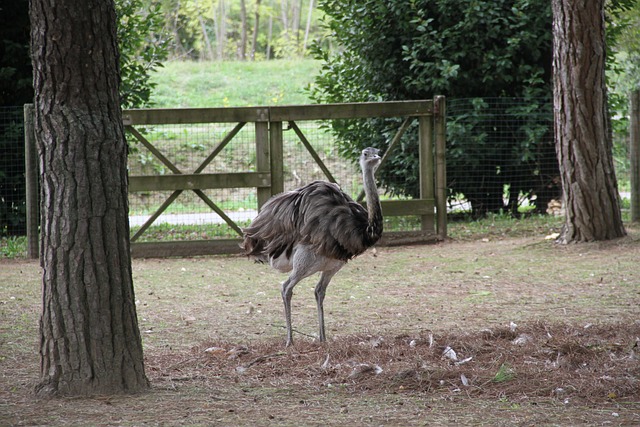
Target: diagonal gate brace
[(177, 171)]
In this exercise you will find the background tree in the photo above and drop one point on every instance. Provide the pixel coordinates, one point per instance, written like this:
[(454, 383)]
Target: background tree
[(393, 50), (582, 126), (223, 26), (89, 337)]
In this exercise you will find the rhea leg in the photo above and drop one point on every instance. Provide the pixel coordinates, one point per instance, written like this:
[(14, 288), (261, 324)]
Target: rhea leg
[(287, 293), (303, 265), (320, 291)]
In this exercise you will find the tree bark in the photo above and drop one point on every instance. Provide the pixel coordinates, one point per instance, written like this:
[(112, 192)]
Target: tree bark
[(307, 27), (89, 337), (286, 25), (208, 54), (256, 30), (243, 30), (296, 9), (269, 36), (582, 128), (221, 29)]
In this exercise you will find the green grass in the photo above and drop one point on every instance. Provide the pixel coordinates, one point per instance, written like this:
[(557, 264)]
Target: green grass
[(13, 247), (233, 84), (462, 227), (183, 232), (505, 373)]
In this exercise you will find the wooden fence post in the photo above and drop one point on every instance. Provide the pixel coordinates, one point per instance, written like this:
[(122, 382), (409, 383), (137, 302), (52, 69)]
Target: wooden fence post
[(277, 157), (31, 183), (262, 159), (634, 154), (425, 155), (440, 119)]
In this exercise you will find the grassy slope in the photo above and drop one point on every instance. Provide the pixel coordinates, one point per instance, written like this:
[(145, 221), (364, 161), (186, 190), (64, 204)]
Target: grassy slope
[(233, 84)]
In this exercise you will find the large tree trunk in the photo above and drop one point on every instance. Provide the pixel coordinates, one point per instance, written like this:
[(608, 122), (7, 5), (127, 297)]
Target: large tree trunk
[(582, 129), (89, 337)]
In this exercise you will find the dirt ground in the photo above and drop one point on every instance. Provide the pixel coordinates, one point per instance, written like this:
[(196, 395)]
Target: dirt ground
[(489, 330)]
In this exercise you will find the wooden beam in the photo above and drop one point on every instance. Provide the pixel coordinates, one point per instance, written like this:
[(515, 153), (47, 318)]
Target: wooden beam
[(351, 111), (440, 130), (198, 181), (425, 160), (423, 207), (406, 207), (159, 116), (397, 238), (185, 248), (276, 157), (231, 223), (192, 248), (312, 151), (277, 113), (153, 149), (31, 183), (155, 215)]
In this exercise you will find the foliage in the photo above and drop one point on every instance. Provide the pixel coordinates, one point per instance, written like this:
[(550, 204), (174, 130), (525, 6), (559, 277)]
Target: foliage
[(415, 50), (15, 89), (404, 50), (226, 29), (502, 148), (623, 74), (623, 55), (143, 47), (15, 62), (12, 181), (13, 247), (505, 373)]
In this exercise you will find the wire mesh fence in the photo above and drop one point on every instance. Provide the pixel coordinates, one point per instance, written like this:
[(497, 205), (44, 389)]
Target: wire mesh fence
[(187, 147), (12, 182), (500, 157)]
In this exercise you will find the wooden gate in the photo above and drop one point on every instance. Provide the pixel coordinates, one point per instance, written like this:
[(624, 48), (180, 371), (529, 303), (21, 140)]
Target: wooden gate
[(268, 176)]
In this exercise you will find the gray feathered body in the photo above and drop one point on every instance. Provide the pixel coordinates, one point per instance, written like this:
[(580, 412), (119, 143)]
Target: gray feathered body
[(318, 215)]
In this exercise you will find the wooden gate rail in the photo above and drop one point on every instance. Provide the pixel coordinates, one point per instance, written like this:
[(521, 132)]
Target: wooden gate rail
[(268, 178)]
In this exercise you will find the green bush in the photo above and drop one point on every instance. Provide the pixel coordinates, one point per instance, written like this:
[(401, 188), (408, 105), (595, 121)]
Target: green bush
[(393, 50)]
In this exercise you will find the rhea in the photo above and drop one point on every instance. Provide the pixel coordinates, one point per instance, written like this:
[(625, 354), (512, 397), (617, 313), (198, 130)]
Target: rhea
[(315, 228)]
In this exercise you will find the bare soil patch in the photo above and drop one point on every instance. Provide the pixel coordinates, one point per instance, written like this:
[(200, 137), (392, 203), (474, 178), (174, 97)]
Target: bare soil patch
[(542, 335)]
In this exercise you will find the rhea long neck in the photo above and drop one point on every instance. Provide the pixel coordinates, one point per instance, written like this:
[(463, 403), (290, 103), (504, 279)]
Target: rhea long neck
[(371, 194)]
